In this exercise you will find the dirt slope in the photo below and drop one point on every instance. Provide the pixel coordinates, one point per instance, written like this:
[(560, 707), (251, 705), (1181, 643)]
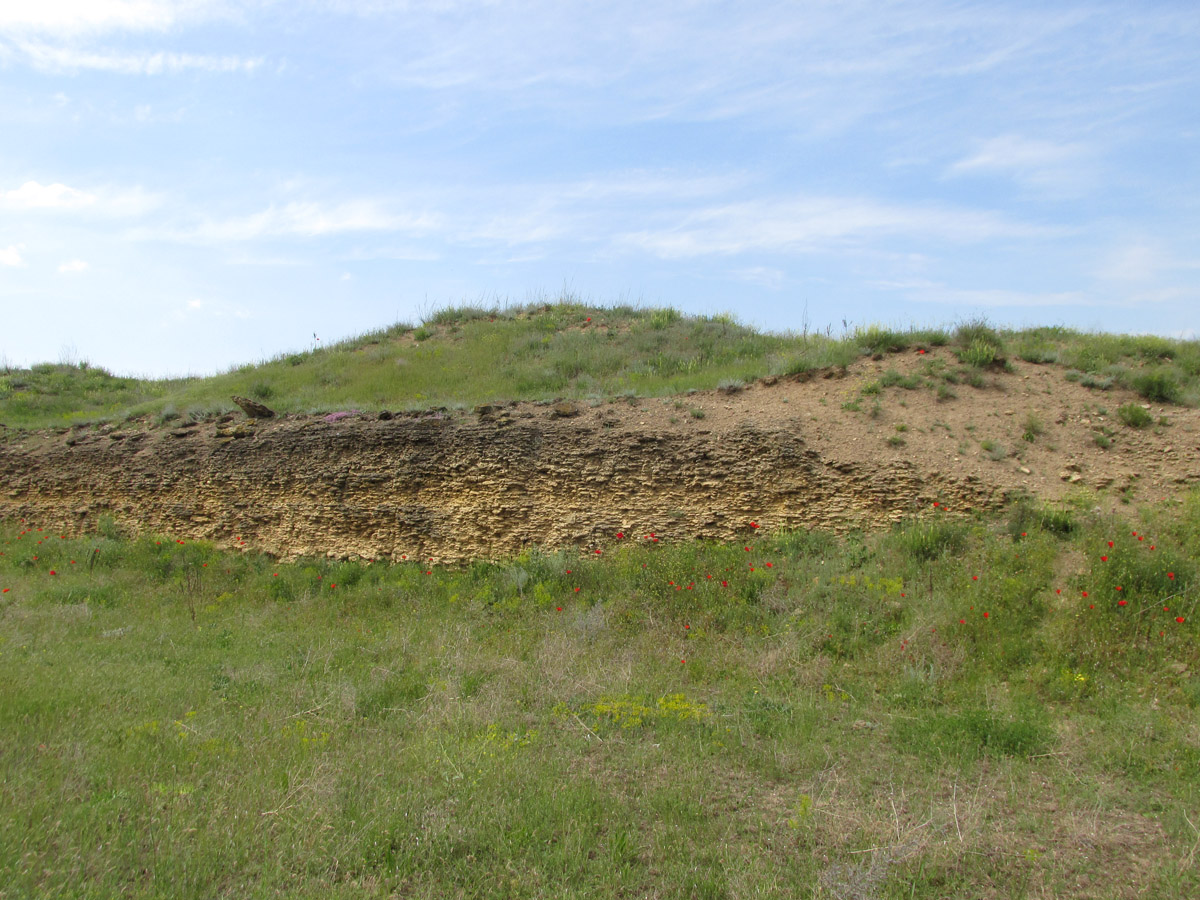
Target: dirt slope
[(485, 484)]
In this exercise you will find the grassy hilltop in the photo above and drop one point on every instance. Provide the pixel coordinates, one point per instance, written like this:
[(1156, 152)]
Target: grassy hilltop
[(466, 356), (1000, 707)]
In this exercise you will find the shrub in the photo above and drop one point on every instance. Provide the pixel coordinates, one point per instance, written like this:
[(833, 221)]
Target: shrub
[(1157, 386), (978, 331), (979, 354), (1134, 416)]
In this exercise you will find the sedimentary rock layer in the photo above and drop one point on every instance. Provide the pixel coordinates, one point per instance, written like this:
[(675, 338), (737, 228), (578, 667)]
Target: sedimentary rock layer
[(453, 489)]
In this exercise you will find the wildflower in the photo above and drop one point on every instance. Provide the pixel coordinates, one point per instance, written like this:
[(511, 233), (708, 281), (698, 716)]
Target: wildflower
[(724, 584), (769, 565), (1118, 587), (559, 608), (987, 615), (974, 577), (962, 621), (1178, 619), (1122, 602), (5, 591), (1104, 559), (577, 590), (620, 534), (1171, 575), (1058, 590), (921, 352), (1085, 595), (52, 572), (1110, 543), (753, 524)]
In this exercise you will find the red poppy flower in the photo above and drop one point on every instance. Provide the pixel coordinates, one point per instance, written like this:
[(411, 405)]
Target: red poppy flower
[(52, 572), (986, 615), (1118, 587), (1122, 602), (962, 621), (1179, 619), (559, 609), (769, 565), (753, 524), (620, 534), (1058, 590), (686, 627), (921, 352), (577, 590), (1110, 543), (974, 577), (1085, 594), (724, 584), (1104, 559), (1171, 575), (5, 591)]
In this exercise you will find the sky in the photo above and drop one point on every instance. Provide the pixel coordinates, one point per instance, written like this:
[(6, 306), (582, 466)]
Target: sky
[(191, 185)]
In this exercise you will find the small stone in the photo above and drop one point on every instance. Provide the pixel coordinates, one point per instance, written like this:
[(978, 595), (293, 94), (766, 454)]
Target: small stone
[(564, 409), (254, 409), (1025, 471)]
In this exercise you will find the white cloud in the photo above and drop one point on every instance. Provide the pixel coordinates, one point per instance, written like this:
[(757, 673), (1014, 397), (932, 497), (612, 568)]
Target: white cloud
[(32, 195), (12, 256), (73, 16), (74, 265), (311, 220), (812, 223), (48, 58), (1066, 169)]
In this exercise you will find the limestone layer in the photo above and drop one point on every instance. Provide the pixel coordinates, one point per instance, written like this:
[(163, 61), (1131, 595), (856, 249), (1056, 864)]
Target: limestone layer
[(454, 489)]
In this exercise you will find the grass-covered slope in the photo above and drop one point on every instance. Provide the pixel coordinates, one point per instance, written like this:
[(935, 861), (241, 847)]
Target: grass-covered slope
[(951, 709), (468, 356)]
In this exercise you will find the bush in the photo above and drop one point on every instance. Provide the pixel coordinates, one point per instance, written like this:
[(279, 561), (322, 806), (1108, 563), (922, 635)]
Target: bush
[(1157, 386), (978, 331), (978, 354), (1134, 416)]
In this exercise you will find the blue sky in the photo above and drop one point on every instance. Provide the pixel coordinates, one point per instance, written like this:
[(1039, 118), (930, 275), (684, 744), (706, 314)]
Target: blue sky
[(187, 185)]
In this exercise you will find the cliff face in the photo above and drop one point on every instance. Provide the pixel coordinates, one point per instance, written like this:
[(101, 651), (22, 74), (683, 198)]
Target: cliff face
[(454, 489)]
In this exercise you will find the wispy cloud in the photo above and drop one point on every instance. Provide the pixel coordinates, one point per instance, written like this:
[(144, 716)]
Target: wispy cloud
[(1061, 168), (33, 195), (74, 16), (307, 220), (72, 266), (11, 256), (106, 201), (811, 223), (69, 59)]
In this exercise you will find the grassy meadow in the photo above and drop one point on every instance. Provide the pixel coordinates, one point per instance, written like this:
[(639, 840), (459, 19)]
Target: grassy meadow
[(955, 708), (472, 355)]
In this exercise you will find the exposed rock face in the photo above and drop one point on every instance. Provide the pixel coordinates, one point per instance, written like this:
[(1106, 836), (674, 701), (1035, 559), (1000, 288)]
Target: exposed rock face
[(455, 488)]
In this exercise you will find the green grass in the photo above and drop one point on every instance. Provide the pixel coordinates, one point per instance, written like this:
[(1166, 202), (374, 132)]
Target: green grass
[(955, 707), (461, 357)]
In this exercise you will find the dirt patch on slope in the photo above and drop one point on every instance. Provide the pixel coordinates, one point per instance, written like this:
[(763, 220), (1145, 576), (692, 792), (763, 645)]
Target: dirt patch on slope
[(813, 451)]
